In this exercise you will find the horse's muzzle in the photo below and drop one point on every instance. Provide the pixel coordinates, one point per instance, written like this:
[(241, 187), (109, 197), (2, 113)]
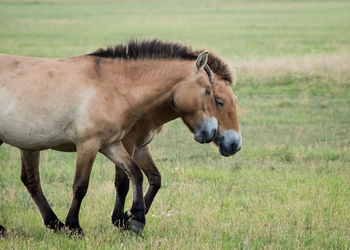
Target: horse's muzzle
[(206, 131), (229, 142)]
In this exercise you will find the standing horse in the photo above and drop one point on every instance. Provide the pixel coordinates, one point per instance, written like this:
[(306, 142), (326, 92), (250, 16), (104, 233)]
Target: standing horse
[(89, 103), (136, 141)]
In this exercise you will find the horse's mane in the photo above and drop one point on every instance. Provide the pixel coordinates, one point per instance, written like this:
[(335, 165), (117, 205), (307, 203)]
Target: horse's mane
[(156, 49)]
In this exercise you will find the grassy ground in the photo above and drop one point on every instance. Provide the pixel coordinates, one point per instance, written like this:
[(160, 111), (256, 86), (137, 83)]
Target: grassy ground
[(289, 187)]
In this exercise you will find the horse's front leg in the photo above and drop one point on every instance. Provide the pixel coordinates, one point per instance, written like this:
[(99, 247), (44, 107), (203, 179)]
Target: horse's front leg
[(118, 155), (86, 153), (143, 159), (30, 177)]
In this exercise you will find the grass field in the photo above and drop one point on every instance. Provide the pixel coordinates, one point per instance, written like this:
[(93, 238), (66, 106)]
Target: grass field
[(289, 186)]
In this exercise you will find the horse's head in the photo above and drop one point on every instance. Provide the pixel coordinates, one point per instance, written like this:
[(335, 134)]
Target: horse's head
[(207, 105), (193, 99), (229, 139)]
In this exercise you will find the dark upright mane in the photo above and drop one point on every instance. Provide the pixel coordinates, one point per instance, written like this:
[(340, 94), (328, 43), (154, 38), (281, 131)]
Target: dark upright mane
[(156, 49)]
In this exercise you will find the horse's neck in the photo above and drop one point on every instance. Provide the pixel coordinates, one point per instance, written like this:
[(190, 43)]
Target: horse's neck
[(158, 116), (147, 86)]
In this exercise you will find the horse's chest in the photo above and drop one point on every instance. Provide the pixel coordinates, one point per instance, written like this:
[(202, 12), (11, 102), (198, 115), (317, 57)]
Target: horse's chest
[(148, 138)]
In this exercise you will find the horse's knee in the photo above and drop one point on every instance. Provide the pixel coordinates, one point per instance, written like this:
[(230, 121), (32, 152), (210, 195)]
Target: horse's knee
[(157, 185)]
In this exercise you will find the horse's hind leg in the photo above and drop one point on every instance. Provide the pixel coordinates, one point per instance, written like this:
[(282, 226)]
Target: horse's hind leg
[(30, 177), (2, 229)]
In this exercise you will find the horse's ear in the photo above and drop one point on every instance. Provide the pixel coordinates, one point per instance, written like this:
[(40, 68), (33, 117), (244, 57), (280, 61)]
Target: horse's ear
[(202, 60)]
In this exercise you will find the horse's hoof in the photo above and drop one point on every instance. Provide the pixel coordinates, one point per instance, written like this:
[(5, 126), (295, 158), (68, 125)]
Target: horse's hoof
[(121, 221), (56, 225), (74, 231), (127, 216), (3, 232), (136, 227), (117, 222)]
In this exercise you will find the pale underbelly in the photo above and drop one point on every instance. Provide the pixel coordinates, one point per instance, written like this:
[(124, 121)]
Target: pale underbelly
[(41, 143), (32, 137)]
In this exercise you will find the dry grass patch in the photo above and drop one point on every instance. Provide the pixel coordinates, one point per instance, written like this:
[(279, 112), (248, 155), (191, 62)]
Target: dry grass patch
[(335, 67)]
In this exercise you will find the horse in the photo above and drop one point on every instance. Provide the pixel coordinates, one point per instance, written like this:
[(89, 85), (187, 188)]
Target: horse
[(137, 141), (88, 104)]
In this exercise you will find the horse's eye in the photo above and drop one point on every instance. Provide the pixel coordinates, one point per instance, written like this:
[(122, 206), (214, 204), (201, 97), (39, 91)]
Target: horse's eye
[(207, 91), (219, 103)]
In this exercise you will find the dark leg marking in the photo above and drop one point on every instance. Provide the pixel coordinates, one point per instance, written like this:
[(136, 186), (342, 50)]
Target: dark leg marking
[(85, 157), (30, 177), (121, 182), (144, 160), (118, 154), (137, 220)]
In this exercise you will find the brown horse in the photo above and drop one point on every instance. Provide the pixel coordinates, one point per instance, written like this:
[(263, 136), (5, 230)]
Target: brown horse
[(89, 103), (136, 141)]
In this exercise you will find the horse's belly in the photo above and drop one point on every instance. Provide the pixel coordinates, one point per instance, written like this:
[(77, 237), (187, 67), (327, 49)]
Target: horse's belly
[(29, 127), (33, 136)]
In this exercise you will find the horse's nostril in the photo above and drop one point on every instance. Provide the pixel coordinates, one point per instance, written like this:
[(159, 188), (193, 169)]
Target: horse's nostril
[(235, 147)]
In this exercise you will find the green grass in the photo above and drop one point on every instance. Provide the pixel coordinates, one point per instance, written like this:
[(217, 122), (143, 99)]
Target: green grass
[(235, 29), (289, 186)]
